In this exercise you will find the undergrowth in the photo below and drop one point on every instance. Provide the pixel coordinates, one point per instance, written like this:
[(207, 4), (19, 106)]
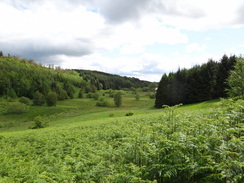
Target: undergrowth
[(165, 147)]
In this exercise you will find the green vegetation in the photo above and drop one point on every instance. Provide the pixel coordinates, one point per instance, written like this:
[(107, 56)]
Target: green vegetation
[(198, 84), (16, 108), (105, 81), (196, 146), (73, 138), (51, 99), (118, 99), (236, 80), (25, 78)]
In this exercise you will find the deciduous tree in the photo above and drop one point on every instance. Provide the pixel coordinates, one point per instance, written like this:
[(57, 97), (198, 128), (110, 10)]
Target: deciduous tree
[(236, 80)]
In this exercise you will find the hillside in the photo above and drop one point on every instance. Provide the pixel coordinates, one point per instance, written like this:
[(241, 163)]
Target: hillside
[(189, 144), (23, 78), (106, 81)]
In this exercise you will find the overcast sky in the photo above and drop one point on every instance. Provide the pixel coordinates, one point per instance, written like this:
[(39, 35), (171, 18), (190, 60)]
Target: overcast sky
[(139, 38)]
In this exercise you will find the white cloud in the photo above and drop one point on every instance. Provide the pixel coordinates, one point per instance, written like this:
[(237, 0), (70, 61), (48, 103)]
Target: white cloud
[(131, 49), (76, 34), (195, 47)]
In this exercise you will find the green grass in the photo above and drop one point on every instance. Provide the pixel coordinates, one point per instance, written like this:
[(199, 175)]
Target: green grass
[(81, 110), (73, 110)]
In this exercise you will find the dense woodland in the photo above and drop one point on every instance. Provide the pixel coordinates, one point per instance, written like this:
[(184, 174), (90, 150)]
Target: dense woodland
[(22, 77), (200, 83), (106, 81)]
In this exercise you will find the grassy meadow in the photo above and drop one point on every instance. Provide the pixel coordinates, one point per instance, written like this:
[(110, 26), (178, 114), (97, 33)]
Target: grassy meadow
[(201, 142)]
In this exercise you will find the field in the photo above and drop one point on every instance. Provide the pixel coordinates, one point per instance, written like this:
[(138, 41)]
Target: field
[(83, 143)]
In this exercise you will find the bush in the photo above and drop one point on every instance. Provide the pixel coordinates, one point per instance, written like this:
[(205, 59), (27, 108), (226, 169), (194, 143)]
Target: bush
[(129, 114), (39, 123), (137, 96), (102, 102), (16, 108), (118, 99), (38, 99), (90, 95), (51, 99), (152, 96), (63, 95), (80, 95), (25, 100), (95, 96)]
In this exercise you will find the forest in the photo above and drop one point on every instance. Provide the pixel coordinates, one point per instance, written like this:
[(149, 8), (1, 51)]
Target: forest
[(200, 83), (104, 81), (23, 78)]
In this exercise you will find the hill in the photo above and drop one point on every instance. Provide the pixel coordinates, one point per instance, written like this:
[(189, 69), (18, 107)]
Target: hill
[(104, 81), (23, 78)]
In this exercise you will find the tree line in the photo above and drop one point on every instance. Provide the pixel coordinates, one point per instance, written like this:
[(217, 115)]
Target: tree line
[(104, 81), (25, 78), (200, 83)]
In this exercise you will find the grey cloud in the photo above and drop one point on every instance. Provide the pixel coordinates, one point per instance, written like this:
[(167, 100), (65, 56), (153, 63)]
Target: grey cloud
[(240, 15), (43, 50), (118, 11)]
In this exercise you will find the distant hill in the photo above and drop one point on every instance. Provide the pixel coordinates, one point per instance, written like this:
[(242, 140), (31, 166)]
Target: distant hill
[(111, 81), (22, 77)]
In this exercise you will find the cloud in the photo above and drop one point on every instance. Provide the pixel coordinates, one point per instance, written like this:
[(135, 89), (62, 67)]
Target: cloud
[(118, 11), (48, 31), (195, 47), (79, 33)]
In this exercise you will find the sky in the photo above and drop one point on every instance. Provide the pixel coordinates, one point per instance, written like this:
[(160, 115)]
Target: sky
[(135, 38)]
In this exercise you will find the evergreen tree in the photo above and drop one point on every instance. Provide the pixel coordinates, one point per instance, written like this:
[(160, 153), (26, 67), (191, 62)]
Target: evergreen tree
[(162, 92), (197, 84)]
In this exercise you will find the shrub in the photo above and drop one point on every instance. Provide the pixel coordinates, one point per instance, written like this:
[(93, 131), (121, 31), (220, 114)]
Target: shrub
[(95, 96), (118, 99), (51, 99), (80, 95), (152, 96), (137, 96), (129, 114), (16, 108), (38, 99), (63, 95), (39, 123), (90, 95), (25, 100), (102, 102)]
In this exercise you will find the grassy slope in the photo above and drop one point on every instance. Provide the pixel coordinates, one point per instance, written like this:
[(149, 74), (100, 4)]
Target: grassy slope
[(74, 110), (190, 147), (84, 110)]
